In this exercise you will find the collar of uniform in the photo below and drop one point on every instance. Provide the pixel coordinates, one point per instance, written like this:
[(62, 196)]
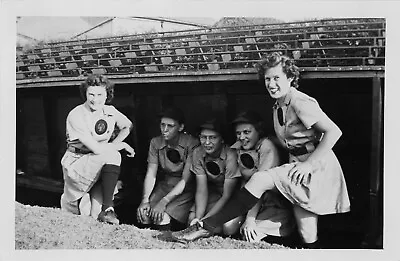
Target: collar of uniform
[(164, 142), (287, 100), (236, 145)]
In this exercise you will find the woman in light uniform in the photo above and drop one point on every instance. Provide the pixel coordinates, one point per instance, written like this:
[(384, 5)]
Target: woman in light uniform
[(91, 164)]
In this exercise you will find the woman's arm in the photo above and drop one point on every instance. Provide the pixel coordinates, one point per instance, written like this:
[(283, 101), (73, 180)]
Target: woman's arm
[(229, 186), (158, 210), (253, 212), (178, 189), (125, 126), (99, 148), (123, 133), (331, 133), (269, 156), (149, 181), (201, 197)]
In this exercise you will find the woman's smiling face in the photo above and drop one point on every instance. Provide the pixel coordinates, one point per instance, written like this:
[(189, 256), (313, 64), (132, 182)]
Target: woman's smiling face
[(276, 82), (247, 134)]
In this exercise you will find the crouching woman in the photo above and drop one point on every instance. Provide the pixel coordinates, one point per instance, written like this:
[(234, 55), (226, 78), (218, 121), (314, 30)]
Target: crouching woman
[(91, 163), (217, 175)]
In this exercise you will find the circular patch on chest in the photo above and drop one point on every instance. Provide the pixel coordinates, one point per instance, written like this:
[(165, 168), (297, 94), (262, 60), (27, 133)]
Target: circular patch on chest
[(247, 160), (213, 168), (100, 127), (173, 156)]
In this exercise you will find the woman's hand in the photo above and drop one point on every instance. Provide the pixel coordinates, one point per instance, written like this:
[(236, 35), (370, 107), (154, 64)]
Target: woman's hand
[(130, 150), (157, 212), (248, 230), (142, 212), (194, 221), (300, 173)]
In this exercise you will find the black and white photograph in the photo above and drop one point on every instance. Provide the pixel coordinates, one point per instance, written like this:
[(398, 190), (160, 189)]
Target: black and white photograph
[(183, 126)]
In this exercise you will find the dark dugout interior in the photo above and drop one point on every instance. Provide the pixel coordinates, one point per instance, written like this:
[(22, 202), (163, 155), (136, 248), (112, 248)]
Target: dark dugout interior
[(40, 144)]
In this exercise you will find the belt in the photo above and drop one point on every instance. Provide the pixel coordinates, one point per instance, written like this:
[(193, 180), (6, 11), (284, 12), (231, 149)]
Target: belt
[(303, 150), (78, 151)]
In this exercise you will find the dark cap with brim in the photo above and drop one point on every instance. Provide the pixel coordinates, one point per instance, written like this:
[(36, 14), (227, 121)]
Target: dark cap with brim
[(211, 124), (251, 117), (173, 113)]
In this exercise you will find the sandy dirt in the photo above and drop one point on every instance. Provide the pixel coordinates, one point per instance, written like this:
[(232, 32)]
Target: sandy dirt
[(50, 228)]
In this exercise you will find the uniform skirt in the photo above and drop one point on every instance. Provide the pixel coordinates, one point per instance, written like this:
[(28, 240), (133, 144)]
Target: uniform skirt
[(214, 194), (326, 192), (80, 171), (179, 207)]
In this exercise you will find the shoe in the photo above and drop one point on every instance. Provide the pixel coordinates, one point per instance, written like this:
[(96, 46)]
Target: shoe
[(191, 233), (108, 216)]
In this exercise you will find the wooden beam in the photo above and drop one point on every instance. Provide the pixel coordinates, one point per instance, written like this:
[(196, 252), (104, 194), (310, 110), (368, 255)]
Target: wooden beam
[(373, 237), (204, 76)]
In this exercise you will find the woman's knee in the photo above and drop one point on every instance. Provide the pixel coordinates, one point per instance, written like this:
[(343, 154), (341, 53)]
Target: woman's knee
[(111, 157), (72, 207), (260, 182), (165, 220)]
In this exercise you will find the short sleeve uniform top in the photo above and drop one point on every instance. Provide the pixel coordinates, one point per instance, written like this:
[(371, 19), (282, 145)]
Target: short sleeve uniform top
[(159, 153), (217, 169), (100, 126), (299, 113), (263, 157)]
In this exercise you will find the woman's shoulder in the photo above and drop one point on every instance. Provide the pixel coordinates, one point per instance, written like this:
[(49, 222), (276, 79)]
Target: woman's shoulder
[(198, 152), (188, 140), (237, 145), (110, 109), (230, 152), (299, 95), (77, 111), (300, 99), (265, 143), (157, 141)]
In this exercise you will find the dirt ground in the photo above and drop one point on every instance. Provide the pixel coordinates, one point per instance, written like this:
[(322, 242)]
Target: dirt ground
[(50, 228)]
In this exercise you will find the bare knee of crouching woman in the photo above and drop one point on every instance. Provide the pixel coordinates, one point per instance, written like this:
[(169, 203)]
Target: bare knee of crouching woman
[(111, 157)]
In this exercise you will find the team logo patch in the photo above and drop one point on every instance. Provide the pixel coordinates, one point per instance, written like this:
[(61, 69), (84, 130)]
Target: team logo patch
[(100, 127)]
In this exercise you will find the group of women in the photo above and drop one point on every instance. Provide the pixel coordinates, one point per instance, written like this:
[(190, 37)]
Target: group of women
[(202, 183)]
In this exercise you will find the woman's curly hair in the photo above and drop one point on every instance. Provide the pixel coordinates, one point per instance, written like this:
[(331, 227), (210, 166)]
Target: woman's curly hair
[(97, 80), (274, 59)]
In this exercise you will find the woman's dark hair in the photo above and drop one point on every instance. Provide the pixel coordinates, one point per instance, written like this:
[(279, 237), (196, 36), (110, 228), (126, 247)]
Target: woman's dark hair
[(97, 80), (253, 118), (274, 59)]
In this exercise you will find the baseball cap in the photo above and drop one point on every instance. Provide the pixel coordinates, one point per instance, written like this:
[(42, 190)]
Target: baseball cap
[(251, 117), (173, 113), (211, 124)]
